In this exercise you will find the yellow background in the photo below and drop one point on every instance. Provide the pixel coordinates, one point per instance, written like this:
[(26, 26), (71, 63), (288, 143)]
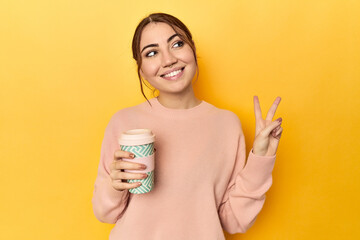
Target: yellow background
[(66, 67)]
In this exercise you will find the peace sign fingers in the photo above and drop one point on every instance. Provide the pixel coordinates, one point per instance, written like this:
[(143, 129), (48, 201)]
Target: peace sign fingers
[(272, 110), (267, 132)]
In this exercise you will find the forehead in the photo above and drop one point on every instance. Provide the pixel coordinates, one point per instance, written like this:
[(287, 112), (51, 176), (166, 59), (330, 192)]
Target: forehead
[(156, 33)]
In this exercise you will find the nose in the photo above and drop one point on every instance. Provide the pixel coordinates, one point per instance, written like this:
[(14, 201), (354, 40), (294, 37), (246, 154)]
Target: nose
[(168, 59)]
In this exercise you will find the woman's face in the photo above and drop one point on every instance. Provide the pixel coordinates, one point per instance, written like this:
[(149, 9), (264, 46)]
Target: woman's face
[(168, 63)]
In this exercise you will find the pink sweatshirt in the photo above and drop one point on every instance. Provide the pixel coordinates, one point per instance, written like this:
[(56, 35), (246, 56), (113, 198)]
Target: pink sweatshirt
[(203, 183)]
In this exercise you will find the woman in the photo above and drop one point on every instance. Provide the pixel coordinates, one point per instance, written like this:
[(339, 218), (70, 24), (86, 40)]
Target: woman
[(203, 183)]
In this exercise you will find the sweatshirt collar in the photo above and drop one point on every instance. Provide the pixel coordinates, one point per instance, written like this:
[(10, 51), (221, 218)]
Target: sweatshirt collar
[(158, 108)]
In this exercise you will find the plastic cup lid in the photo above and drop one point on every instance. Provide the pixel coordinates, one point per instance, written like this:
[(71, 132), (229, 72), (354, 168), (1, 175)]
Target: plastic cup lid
[(136, 137)]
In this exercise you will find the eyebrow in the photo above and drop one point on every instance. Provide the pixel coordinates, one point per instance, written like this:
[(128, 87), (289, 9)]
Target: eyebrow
[(156, 45)]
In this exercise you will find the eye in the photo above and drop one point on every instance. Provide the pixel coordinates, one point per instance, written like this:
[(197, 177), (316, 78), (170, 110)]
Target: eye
[(150, 54), (178, 44)]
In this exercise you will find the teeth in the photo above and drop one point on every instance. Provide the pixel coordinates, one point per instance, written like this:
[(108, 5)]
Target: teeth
[(173, 73)]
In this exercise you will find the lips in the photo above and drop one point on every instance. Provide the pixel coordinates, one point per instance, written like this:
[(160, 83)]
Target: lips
[(172, 73)]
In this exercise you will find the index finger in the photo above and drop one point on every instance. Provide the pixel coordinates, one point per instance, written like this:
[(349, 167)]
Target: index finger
[(119, 154), (257, 109), (272, 109)]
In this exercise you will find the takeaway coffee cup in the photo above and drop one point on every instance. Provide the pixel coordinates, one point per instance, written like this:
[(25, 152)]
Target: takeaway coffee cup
[(140, 142)]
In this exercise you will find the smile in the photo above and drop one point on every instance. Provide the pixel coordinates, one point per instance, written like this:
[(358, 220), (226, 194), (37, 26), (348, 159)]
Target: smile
[(173, 75)]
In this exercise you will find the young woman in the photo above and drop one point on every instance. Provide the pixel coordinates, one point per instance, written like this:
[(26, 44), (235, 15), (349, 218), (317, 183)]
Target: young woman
[(203, 183)]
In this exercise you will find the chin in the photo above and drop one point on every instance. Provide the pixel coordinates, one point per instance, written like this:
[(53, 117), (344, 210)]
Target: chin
[(176, 90)]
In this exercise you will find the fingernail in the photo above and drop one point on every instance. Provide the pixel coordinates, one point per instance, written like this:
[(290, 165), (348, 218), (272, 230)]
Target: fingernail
[(143, 167), (279, 119), (132, 155)]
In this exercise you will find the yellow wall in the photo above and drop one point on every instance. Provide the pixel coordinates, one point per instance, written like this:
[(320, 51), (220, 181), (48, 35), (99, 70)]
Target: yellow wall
[(66, 67)]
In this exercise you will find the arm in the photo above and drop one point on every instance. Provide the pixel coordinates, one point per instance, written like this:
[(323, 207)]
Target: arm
[(108, 204), (245, 195)]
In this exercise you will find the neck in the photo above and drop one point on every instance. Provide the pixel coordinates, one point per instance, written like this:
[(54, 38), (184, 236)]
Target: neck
[(178, 101)]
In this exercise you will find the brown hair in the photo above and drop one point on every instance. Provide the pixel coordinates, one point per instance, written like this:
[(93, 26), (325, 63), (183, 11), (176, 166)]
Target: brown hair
[(175, 24)]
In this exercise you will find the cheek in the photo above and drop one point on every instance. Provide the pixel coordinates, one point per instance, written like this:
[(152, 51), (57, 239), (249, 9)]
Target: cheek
[(149, 69), (188, 56)]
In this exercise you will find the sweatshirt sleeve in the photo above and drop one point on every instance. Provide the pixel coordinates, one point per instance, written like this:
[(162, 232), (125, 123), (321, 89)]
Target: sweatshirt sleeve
[(108, 204), (245, 194)]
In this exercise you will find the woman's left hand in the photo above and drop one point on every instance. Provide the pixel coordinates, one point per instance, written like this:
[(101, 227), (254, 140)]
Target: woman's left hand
[(267, 132)]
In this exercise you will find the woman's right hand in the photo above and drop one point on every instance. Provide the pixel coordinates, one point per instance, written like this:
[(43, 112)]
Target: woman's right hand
[(119, 177)]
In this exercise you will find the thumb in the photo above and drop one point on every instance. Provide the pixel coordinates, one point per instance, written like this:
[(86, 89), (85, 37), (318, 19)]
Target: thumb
[(268, 129)]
